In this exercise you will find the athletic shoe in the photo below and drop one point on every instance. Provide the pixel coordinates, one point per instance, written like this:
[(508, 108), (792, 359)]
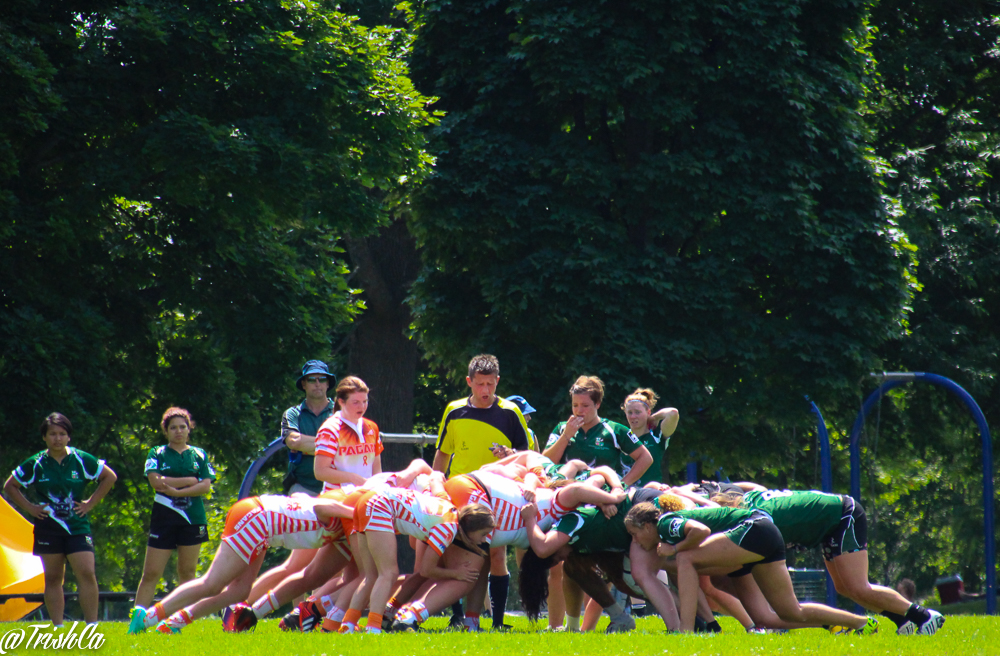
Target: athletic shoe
[(932, 624), (163, 627), (310, 615), (838, 629), (137, 620), (240, 619), (387, 622), (405, 627), (621, 624), (290, 622), (870, 627), (456, 622), (503, 628), (756, 630)]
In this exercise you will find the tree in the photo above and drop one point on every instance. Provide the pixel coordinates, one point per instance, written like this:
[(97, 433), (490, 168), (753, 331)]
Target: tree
[(174, 183), (672, 194)]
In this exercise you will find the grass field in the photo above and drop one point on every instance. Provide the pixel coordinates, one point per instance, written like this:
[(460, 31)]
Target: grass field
[(961, 636)]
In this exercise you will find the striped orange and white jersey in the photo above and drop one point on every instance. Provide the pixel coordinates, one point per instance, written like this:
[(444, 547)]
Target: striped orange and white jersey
[(257, 522), (423, 516), (506, 499), (352, 448)]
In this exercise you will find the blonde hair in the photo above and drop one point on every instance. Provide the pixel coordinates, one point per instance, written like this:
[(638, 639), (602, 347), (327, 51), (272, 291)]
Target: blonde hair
[(643, 395), (670, 502), (589, 385), (728, 499), (349, 385)]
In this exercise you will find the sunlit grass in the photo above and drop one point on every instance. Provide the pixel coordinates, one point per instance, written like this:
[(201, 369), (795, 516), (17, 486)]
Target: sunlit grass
[(961, 636)]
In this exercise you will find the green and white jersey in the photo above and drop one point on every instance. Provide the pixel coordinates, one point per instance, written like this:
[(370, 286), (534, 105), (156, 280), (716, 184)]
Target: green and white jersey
[(192, 461), (58, 485), (804, 518), (590, 531), (657, 445), (671, 525), (606, 443)]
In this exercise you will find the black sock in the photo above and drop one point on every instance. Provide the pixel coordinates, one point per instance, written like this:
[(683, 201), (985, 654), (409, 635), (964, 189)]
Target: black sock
[(896, 618), (713, 626), (917, 614), (499, 586), (456, 610)]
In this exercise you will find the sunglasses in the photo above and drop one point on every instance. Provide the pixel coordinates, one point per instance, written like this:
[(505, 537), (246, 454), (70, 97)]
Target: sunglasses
[(315, 380)]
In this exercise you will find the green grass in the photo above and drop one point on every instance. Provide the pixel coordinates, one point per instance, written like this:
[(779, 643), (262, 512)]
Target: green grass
[(961, 636)]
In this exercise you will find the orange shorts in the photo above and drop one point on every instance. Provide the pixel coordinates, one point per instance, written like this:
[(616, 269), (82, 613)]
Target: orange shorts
[(362, 514), (244, 529), (352, 501)]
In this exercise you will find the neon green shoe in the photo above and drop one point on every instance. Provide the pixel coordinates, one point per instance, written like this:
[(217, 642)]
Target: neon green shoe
[(137, 620), (870, 627), (163, 627)]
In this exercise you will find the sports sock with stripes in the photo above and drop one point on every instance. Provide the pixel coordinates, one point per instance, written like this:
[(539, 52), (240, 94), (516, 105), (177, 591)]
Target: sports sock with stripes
[(265, 605)]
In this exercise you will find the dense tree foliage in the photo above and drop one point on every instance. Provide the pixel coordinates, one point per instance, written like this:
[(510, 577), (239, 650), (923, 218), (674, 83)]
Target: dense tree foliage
[(671, 194), (174, 182)]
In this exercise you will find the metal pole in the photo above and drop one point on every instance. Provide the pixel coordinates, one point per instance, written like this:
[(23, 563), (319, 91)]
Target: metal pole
[(826, 474), (895, 379)]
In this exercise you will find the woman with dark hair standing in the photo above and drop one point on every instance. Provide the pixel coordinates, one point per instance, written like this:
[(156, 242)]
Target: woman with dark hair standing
[(57, 476), (180, 475)]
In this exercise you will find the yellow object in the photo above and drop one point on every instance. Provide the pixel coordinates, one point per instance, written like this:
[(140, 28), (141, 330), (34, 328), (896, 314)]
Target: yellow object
[(20, 571)]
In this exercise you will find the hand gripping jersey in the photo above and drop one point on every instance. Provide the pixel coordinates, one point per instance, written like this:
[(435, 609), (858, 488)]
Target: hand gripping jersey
[(351, 451), (280, 521), (425, 517)]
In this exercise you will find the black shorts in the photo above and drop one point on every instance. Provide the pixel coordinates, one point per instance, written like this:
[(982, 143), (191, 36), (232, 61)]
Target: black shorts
[(763, 538), (61, 543), (851, 533), (485, 546), (171, 536)]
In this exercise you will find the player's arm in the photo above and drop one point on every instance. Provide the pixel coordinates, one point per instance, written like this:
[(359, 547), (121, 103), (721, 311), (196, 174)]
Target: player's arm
[(608, 475), (694, 534), (543, 544), (330, 509), (12, 490), (201, 488), (406, 477), (445, 445), (324, 470), (747, 486), (686, 493), (643, 460), (105, 482), (667, 420), (429, 567), (557, 449)]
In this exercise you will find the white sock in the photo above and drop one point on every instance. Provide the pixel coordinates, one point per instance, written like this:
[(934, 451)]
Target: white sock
[(265, 605), (615, 610), (572, 623)]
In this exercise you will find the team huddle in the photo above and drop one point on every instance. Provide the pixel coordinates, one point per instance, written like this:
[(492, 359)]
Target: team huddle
[(584, 514)]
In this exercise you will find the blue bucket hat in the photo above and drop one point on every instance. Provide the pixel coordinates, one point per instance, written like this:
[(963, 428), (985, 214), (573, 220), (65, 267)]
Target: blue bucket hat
[(315, 367), (522, 404)]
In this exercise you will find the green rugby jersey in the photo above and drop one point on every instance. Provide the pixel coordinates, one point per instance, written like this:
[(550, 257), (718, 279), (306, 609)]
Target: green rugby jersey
[(804, 518), (657, 445), (191, 462), (590, 531), (606, 443), (671, 525), (58, 485)]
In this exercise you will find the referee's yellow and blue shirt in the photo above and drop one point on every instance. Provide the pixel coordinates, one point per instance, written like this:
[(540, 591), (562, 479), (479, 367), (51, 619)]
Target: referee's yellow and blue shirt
[(468, 432)]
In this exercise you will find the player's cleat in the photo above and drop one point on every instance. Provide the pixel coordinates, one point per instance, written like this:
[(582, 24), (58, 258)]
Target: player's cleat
[(387, 622), (839, 629), (753, 629), (290, 622), (456, 623), (136, 620), (621, 624), (239, 619), (310, 616), (932, 624), (163, 627), (870, 627), (503, 628), (405, 627)]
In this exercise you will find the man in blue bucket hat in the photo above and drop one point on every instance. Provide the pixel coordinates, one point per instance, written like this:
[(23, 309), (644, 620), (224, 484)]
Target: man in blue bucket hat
[(301, 422)]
